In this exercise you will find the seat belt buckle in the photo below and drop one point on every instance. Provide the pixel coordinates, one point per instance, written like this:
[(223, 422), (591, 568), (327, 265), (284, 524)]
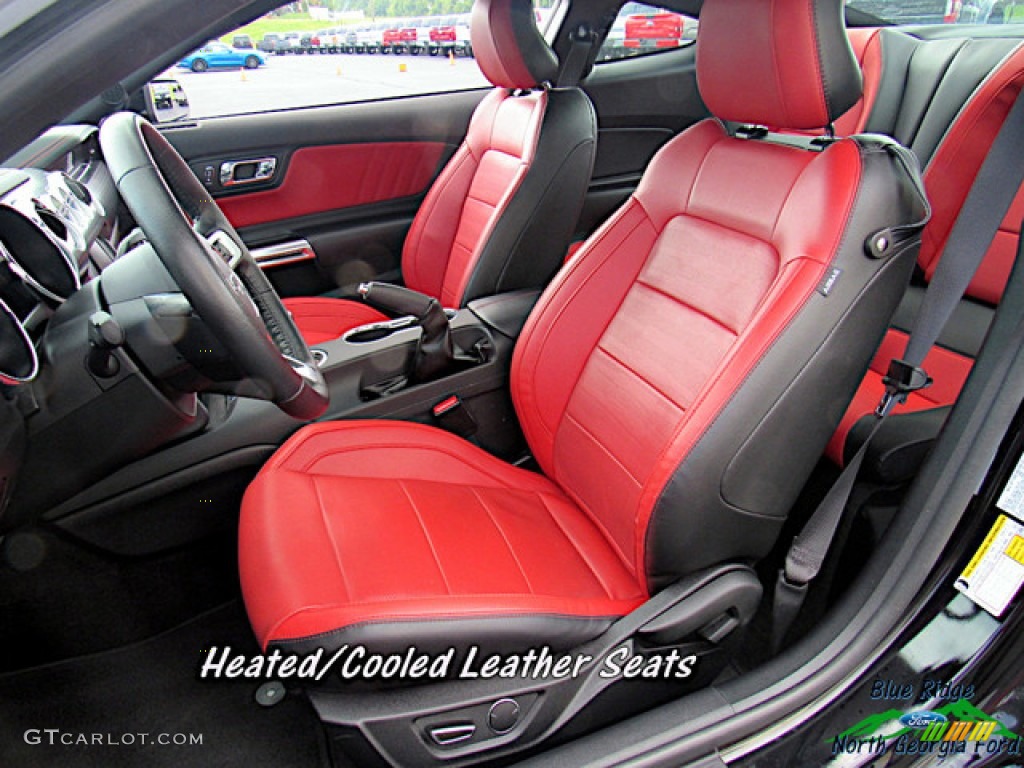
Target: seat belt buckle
[(900, 380), (452, 415)]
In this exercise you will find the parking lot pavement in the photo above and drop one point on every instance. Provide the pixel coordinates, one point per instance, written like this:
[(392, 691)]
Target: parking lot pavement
[(302, 80)]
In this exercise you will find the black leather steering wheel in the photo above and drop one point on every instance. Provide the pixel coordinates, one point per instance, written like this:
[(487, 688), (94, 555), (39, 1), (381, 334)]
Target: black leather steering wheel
[(211, 265)]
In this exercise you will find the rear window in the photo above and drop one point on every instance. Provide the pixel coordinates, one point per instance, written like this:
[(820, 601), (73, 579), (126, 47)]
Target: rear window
[(942, 11)]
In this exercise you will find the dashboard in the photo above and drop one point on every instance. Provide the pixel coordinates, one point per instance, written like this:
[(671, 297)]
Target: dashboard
[(57, 225), (62, 224)]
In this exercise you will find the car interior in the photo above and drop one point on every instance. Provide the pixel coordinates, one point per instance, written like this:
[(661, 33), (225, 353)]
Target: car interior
[(552, 370)]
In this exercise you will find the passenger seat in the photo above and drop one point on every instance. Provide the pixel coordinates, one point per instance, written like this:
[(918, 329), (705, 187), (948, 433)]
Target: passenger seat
[(500, 216)]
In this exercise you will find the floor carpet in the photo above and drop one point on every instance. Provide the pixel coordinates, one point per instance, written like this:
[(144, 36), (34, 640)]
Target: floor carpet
[(152, 687)]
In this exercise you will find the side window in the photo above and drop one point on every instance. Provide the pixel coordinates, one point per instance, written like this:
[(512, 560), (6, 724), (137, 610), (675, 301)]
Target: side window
[(320, 52), (640, 28)]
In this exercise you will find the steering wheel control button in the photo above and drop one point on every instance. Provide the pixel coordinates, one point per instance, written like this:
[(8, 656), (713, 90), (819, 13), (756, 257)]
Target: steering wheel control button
[(450, 735), (503, 715)]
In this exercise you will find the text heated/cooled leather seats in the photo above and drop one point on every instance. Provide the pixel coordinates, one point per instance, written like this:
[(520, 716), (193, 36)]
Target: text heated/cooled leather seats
[(500, 215), (676, 382), (946, 98)]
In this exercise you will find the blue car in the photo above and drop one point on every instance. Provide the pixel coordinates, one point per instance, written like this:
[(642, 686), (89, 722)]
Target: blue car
[(219, 55)]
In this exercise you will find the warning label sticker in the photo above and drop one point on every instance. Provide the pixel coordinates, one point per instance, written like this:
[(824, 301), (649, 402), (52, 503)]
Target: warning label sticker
[(996, 571)]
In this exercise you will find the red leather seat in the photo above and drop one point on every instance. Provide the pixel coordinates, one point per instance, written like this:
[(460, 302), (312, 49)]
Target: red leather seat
[(500, 216), (948, 176), (676, 382)]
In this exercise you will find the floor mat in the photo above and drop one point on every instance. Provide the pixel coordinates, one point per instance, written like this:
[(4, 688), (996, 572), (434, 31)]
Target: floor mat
[(99, 706)]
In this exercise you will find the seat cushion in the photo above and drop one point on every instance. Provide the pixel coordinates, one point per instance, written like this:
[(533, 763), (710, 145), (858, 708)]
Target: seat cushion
[(389, 533), (323, 319)]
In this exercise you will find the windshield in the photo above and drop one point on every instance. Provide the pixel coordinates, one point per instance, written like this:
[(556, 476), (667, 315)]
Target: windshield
[(942, 11)]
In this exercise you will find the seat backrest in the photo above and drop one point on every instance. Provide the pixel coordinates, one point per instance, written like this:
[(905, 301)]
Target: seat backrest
[(501, 214), (680, 377), (946, 98)]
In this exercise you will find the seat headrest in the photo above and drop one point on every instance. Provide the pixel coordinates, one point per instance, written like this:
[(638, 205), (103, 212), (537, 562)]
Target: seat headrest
[(785, 64), (508, 46)]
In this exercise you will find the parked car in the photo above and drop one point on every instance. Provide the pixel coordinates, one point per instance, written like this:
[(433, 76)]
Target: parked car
[(331, 40), (451, 35), (657, 30), (309, 42), (394, 37), (268, 43), (370, 39), (220, 56), (289, 42), (243, 42), (418, 37), (348, 38)]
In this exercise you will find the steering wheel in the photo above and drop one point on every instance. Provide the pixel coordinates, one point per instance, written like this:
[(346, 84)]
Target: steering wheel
[(211, 265)]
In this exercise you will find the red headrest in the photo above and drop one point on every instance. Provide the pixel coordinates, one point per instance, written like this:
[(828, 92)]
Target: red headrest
[(784, 64), (508, 46)]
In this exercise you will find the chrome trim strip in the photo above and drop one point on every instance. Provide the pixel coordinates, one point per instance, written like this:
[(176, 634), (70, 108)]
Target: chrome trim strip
[(7, 377), (280, 254)]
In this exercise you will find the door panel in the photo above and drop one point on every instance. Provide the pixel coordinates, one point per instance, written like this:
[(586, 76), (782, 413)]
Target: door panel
[(346, 178), (337, 176)]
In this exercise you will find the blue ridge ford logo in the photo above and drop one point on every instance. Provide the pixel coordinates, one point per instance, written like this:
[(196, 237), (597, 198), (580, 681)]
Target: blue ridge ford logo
[(921, 719)]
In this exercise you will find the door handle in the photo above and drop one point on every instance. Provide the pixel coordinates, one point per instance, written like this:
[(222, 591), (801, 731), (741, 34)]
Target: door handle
[(235, 172)]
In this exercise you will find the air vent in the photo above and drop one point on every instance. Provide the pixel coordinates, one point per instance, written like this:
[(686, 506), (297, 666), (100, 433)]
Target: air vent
[(78, 189), (36, 256), (53, 223)]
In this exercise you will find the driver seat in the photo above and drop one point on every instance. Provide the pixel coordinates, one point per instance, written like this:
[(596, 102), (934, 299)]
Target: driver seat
[(676, 383), (500, 216)]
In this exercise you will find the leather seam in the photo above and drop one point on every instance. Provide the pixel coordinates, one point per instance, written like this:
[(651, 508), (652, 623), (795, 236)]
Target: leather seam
[(327, 530), (508, 544), (604, 450), (683, 303), (664, 395), (597, 576), (426, 535)]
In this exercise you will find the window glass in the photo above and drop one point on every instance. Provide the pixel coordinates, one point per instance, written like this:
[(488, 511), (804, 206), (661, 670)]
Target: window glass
[(319, 52), (640, 28), (943, 11)]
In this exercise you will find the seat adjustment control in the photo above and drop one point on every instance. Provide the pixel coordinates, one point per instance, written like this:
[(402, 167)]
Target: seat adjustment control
[(450, 735), (503, 715)]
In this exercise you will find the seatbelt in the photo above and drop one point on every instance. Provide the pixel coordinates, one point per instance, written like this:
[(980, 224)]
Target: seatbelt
[(575, 64), (994, 188)]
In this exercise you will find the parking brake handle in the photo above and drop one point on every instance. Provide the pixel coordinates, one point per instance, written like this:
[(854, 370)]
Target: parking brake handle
[(435, 353)]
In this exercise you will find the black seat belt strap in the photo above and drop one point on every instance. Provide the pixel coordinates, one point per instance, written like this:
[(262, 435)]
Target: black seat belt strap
[(987, 203), (573, 68)]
